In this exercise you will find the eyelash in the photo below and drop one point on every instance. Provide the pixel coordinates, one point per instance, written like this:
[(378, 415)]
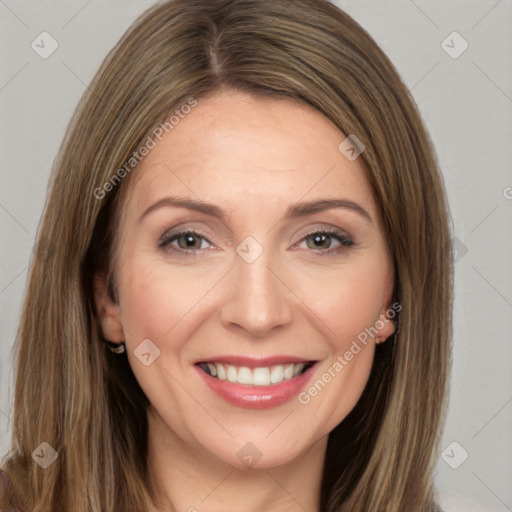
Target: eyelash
[(345, 242)]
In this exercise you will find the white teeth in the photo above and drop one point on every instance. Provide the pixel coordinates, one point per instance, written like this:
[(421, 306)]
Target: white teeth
[(264, 376), (231, 373), (221, 372), (245, 376), (261, 377), (277, 374), (297, 368), (288, 371), (212, 369)]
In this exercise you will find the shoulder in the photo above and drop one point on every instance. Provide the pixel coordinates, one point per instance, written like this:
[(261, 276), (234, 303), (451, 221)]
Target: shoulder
[(7, 500), (451, 502)]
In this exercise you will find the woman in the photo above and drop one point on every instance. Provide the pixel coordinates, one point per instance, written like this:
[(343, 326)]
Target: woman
[(241, 297)]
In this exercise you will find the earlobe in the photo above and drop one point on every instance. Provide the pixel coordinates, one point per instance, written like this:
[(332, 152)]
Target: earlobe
[(107, 311), (385, 325)]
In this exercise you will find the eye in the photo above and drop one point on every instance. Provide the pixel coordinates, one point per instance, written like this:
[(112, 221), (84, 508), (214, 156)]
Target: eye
[(327, 242), (184, 241), (191, 242)]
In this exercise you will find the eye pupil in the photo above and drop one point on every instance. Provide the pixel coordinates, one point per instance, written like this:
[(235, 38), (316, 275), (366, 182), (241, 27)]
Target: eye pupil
[(321, 240), (190, 241)]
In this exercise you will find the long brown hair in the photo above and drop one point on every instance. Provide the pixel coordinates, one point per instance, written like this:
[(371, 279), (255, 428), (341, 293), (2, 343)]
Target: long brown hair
[(380, 458)]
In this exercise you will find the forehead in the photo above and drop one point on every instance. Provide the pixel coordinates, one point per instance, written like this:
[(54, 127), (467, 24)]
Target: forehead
[(234, 145)]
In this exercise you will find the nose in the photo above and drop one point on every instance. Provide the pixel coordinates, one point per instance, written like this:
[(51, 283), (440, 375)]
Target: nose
[(258, 300)]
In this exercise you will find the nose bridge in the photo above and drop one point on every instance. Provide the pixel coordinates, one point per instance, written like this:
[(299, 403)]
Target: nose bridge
[(259, 300)]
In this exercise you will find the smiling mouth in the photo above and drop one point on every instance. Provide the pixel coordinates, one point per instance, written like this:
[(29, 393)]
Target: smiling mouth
[(262, 376)]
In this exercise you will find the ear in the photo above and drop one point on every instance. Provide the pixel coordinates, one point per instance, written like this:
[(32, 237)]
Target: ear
[(108, 311), (385, 325)]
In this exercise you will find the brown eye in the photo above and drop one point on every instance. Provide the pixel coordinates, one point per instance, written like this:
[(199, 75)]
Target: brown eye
[(319, 241), (185, 241), (324, 240), (189, 241)]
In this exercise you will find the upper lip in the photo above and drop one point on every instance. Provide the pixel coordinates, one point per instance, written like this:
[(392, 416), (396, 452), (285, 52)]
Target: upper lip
[(255, 362)]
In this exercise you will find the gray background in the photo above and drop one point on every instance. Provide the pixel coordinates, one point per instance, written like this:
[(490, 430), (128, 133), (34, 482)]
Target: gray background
[(466, 103)]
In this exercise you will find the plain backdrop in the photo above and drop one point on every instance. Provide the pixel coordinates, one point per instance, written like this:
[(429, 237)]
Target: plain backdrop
[(455, 57)]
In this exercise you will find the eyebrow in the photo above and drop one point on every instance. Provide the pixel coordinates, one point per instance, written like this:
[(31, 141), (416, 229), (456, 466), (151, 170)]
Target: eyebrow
[(293, 211)]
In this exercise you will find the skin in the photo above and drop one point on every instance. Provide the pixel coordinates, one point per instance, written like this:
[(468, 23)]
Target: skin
[(253, 157)]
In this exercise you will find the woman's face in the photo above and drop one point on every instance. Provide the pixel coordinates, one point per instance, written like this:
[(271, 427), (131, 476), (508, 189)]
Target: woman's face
[(250, 242)]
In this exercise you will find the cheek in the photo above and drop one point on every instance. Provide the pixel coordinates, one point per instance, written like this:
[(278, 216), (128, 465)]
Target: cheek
[(347, 300), (157, 298), (346, 305), (165, 305)]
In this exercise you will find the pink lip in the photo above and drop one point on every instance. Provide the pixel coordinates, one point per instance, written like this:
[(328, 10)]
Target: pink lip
[(254, 362), (256, 397)]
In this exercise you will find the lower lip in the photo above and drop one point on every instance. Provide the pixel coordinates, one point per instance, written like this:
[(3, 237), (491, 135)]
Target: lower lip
[(257, 397)]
